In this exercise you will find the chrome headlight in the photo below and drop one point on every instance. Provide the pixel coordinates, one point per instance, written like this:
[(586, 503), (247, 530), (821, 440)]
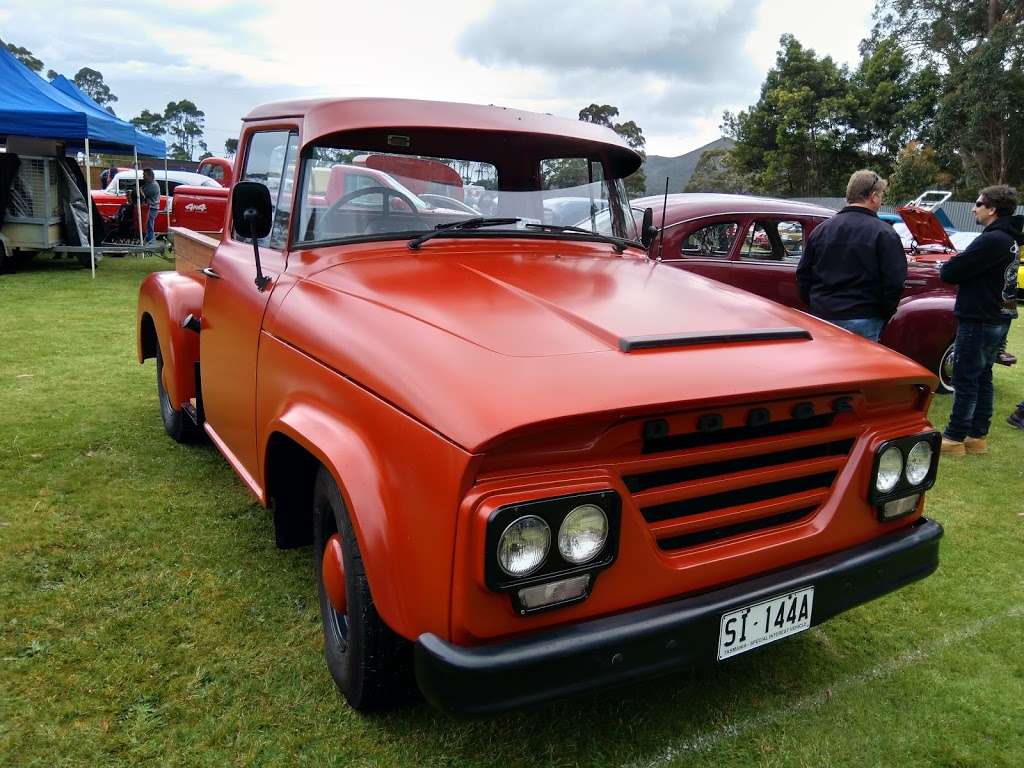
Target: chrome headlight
[(523, 546), (582, 535), (890, 468), (919, 462)]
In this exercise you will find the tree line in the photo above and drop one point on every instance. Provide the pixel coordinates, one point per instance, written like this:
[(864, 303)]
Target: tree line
[(936, 102), (180, 121)]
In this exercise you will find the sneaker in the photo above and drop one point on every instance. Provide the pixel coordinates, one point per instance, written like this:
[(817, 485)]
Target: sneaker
[(952, 447), (1016, 419), (975, 444), (1005, 358)]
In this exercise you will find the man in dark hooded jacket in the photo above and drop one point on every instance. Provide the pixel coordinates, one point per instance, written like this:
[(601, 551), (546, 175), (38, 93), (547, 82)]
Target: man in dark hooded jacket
[(985, 274)]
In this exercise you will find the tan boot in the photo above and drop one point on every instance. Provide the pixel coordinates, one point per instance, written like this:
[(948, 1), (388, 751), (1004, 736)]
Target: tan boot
[(975, 444), (952, 448)]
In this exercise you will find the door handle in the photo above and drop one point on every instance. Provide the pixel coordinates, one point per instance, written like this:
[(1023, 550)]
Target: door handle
[(210, 273)]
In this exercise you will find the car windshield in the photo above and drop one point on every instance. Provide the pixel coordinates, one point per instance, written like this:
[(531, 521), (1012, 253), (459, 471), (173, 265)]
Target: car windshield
[(353, 194)]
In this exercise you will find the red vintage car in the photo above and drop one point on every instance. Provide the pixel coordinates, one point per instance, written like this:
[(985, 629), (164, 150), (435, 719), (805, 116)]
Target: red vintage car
[(110, 199), (755, 243)]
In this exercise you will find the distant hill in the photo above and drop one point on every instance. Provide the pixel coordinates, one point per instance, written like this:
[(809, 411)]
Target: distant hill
[(678, 169)]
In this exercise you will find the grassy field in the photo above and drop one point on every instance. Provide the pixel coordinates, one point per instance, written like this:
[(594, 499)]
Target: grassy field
[(146, 617)]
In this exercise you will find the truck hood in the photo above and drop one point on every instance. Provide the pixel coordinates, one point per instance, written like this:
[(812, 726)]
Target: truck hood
[(925, 228), (477, 344)]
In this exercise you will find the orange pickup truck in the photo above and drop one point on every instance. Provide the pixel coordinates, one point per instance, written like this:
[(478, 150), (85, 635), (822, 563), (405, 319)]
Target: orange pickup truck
[(530, 459)]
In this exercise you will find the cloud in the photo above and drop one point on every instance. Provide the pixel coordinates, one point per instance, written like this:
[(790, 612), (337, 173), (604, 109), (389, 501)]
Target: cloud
[(672, 66)]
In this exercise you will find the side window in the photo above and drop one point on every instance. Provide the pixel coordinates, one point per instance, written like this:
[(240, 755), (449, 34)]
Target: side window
[(270, 160), (711, 240), (770, 240)]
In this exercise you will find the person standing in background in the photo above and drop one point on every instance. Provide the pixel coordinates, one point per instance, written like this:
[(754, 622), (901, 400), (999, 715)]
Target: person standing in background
[(852, 270), (151, 197), (985, 274)]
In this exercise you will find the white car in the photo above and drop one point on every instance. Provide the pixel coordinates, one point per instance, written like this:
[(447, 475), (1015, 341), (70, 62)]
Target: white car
[(110, 199)]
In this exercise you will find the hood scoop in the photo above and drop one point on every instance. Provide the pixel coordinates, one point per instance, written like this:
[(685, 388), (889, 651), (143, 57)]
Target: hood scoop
[(663, 341)]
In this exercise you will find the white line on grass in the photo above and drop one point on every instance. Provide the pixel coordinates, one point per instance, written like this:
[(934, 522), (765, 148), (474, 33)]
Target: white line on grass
[(705, 741)]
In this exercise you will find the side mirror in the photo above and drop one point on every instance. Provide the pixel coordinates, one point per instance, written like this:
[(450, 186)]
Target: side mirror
[(648, 230), (251, 210)]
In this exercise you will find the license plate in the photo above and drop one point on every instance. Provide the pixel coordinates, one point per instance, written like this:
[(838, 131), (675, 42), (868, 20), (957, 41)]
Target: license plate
[(765, 622)]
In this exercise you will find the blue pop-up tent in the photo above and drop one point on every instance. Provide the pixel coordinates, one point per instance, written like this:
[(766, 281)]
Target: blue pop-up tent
[(146, 145), (30, 106)]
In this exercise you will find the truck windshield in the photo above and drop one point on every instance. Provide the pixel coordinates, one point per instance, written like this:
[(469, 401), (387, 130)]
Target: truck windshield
[(351, 194)]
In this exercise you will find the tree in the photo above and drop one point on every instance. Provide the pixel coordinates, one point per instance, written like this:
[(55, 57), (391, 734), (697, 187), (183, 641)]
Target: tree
[(230, 147), (917, 170), (799, 139), (149, 122), (714, 173), (604, 114), (24, 56), (90, 82), (979, 49), (184, 122)]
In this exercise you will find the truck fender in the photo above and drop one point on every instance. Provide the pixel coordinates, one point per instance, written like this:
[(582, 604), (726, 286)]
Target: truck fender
[(165, 300), (349, 456), (924, 322)]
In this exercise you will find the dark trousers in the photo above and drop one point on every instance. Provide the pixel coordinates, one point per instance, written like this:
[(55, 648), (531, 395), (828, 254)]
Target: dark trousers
[(977, 345)]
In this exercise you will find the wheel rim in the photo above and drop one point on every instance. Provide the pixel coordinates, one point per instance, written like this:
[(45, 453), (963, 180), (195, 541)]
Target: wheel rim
[(337, 622), (946, 368)]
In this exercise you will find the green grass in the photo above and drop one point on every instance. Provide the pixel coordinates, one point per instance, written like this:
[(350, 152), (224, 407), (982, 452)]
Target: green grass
[(146, 617)]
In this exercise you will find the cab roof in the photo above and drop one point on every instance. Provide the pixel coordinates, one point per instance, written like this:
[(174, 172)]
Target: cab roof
[(475, 128)]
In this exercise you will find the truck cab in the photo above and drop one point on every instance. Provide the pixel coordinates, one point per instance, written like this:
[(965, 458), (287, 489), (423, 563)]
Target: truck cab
[(529, 459)]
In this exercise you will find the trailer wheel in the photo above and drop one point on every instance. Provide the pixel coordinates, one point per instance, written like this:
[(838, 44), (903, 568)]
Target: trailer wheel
[(177, 424), (370, 664)]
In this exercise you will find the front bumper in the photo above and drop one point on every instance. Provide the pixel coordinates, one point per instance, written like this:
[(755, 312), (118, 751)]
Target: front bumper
[(490, 679)]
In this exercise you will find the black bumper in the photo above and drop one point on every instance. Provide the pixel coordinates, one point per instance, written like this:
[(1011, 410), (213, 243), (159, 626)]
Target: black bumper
[(490, 679)]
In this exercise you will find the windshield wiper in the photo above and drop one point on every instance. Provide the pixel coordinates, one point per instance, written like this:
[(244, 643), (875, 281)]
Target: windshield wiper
[(618, 242), (474, 223)]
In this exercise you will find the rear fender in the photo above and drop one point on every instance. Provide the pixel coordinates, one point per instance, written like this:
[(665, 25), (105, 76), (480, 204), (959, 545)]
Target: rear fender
[(922, 328), (165, 300)]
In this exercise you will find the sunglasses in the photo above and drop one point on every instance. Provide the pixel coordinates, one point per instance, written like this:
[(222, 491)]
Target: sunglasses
[(981, 204)]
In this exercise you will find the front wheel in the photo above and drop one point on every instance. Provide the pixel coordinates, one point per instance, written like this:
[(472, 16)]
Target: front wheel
[(944, 371), (370, 664)]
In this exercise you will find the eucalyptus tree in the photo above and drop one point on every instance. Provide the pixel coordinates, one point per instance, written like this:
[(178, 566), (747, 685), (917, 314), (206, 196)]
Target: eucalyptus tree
[(978, 48)]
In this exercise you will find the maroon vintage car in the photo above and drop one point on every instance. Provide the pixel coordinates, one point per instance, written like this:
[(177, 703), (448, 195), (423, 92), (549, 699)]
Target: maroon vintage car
[(755, 243)]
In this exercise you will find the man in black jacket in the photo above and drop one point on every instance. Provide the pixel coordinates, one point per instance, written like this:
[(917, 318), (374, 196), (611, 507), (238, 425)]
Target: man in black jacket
[(852, 270), (985, 274)]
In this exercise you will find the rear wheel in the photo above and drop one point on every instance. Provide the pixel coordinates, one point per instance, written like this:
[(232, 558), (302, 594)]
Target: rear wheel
[(944, 371), (370, 664), (176, 423)]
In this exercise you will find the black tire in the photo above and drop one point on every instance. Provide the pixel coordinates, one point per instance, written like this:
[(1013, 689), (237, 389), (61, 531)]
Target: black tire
[(370, 664), (944, 370), (178, 425), (3, 257)]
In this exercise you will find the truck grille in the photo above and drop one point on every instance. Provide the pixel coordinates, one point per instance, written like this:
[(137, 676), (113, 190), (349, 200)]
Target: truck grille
[(701, 486)]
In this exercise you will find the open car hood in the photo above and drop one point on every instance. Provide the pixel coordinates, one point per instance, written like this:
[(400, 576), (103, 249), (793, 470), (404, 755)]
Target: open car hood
[(925, 228)]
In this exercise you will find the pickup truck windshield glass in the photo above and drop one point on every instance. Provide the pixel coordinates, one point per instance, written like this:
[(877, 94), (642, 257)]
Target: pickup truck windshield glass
[(355, 194)]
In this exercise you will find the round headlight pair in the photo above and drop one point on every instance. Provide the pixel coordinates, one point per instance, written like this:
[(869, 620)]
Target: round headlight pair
[(524, 544), (891, 466)]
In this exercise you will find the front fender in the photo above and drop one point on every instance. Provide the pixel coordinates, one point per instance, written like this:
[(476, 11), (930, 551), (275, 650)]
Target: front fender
[(922, 328), (403, 507), (165, 300)]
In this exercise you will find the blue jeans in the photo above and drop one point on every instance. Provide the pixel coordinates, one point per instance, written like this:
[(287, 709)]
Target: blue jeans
[(977, 345), (151, 222), (868, 327)]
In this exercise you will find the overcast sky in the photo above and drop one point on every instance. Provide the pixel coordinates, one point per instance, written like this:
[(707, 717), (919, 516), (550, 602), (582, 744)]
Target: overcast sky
[(671, 66)]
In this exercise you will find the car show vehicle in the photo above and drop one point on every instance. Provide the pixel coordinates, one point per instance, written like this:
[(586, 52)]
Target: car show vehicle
[(702, 234), (531, 460), (109, 201)]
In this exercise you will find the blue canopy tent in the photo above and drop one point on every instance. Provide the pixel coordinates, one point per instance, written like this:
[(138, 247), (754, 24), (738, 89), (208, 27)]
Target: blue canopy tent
[(31, 107), (145, 145)]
